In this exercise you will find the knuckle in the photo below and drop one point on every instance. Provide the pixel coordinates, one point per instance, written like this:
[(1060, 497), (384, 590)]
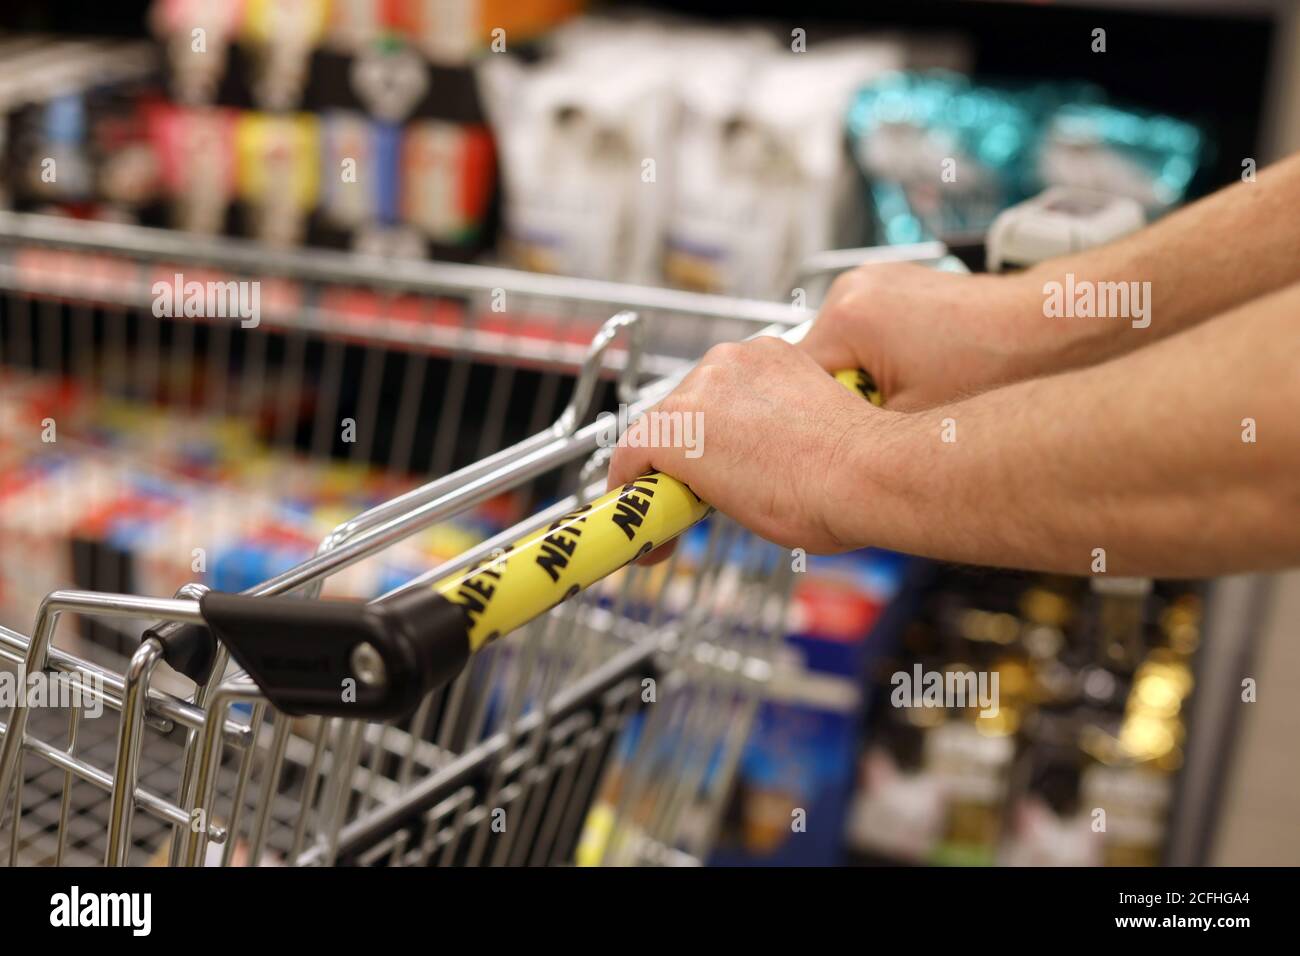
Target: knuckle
[(687, 396), (703, 377), (724, 353), (860, 285), (672, 403), (834, 312), (848, 284), (879, 274)]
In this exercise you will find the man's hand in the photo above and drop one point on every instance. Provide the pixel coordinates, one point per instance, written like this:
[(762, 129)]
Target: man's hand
[(773, 426), (929, 337), (1137, 461)]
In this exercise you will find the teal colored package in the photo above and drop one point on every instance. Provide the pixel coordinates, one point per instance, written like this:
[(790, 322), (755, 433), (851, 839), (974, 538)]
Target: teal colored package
[(943, 154)]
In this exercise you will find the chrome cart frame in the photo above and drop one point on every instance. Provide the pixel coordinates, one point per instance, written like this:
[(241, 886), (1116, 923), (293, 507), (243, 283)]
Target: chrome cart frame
[(505, 764)]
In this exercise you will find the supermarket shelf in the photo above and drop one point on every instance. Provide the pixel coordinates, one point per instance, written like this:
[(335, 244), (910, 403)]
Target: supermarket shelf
[(239, 255)]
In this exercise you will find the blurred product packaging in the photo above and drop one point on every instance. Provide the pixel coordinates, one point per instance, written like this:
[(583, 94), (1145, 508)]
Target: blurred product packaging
[(1143, 156), (584, 142), (1079, 764), (72, 138), (647, 151), (765, 181), (118, 501), (368, 106), (633, 148), (944, 155), (795, 778)]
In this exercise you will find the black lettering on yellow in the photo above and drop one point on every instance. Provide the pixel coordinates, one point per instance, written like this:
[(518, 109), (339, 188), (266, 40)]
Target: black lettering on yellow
[(552, 560), (633, 504), (481, 588), (557, 547), (867, 387), (476, 590), (576, 515), (470, 604)]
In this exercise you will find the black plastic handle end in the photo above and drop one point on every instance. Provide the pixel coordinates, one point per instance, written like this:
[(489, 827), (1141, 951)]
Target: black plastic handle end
[(342, 658), (189, 649)]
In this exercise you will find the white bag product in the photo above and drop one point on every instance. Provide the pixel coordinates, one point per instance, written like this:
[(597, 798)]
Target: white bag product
[(710, 71), (710, 222), (583, 143), (764, 179)]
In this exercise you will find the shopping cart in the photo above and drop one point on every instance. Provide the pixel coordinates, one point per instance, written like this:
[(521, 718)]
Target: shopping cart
[(398, 730)]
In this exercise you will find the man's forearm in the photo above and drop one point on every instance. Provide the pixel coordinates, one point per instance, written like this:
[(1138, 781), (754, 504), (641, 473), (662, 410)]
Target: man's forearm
[(1200, 261), (1145, 456)]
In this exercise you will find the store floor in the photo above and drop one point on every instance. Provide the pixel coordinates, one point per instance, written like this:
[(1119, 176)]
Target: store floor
[(1260, 825)]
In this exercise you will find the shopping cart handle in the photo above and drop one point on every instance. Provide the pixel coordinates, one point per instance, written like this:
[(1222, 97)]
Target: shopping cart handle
[(342, 658), (378, 660), (862, 383), (188, 649)]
